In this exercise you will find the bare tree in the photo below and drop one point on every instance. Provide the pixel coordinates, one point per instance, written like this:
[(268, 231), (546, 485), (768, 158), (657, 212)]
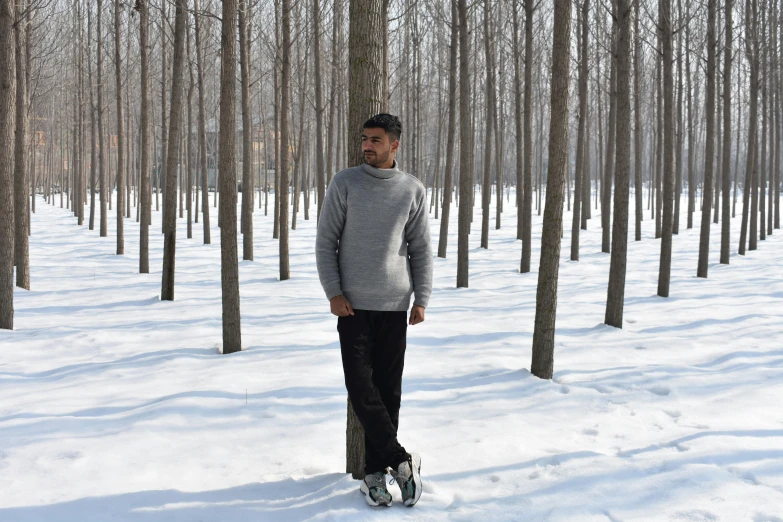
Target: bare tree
[(451, 131), (21, 172), (283, 161), (142, 6), (580, 138), (120, 132), (229, 263), (7, 129), (527, 207), (726, 223), (102, 177), (170, 194), (665, 267), (465, 149), (615, 299), (486, 191), (247, 136), (546, 295), (202, 127), (319, 108), (704, 238), (637, 113)]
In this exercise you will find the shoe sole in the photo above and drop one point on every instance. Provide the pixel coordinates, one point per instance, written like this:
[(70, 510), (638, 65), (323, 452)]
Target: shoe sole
[(364, 489), (416, 465)]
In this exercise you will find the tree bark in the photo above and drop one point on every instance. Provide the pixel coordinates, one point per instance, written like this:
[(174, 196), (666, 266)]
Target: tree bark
[(102, 176), (580, 138), (247, 136), (7, 142), (725, 238), (665, 267), (527, 207), (170, 194), (120, 133), (709, 109), (144, 168), (465, 149), (21, 174), (546, 295), (229, 264), (615, 299), (202, 127), (450, 133)]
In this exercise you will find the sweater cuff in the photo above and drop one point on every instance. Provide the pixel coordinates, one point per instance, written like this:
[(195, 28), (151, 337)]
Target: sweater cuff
[(332, 292), (421, 301)]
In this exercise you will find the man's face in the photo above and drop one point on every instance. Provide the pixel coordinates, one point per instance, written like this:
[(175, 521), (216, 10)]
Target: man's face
[(378, 148)]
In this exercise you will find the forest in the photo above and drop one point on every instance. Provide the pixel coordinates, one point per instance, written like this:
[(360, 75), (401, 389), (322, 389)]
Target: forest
[(547, 131)]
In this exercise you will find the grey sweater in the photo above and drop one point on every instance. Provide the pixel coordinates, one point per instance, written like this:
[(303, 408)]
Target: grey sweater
[(373, 241)]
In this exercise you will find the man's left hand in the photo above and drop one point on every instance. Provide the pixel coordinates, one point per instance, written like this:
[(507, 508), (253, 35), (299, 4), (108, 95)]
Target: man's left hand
[(417, 315)]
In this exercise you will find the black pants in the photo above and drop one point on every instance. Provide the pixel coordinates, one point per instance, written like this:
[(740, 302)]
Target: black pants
[(373, 350)]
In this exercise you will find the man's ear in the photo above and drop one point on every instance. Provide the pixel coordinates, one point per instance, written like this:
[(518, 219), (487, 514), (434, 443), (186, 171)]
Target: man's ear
[(395, 145)]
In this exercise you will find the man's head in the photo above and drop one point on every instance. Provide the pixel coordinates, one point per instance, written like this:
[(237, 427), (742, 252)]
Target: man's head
[(380, 140)]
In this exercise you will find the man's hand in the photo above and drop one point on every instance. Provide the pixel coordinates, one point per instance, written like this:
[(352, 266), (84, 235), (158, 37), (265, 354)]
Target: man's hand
[(417, 315), (340, 306)]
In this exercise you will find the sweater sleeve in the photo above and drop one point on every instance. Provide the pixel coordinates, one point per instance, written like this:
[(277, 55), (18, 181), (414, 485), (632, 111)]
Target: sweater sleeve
[(417, 233), (330, 229)]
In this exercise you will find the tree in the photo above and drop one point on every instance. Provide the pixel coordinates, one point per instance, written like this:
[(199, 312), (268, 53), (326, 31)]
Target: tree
[(229, 264), (21, 173), (202, 128), (726, 223), (170, 194), (247, 138), (104, 190), (527, 206), (637, 113), (486, 191), (704, 238), (465, 149), (518, 123), (281, 192), (665, 267), (142, 6), (7, 129), (615, 299), (120, 133), (320, 167), (580, 138), (368, 94), (450, 132), (546, 293)]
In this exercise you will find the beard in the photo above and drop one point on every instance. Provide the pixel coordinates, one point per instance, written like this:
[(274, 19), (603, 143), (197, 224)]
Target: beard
[(377, 159)]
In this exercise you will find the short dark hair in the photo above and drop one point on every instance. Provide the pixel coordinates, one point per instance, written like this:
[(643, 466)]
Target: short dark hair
[(389, 123)]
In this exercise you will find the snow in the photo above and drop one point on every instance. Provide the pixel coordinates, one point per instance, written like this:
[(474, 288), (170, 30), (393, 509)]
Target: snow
[(117, 406)]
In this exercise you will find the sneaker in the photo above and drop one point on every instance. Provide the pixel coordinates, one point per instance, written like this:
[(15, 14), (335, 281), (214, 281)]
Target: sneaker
[(374, 488), (408, 477)]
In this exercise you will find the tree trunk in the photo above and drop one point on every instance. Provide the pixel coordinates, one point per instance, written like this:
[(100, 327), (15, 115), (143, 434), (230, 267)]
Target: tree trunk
[(202, 128), (229, 264), (580, 138), (319, 109), (120, 133), (726, 223), (637, 113), (465, 149), (607, 178), (665, 267), (7, 142), (489, 100), (546, 295), (367, 95), (615, 299), (146, 191), (709, 109), (450, 133), (21, 174), (170, 194), (102, 175), (247, 135), (527, 207)]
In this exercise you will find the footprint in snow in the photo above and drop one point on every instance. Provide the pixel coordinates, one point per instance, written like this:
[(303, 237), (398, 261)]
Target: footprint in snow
[(661, 391)]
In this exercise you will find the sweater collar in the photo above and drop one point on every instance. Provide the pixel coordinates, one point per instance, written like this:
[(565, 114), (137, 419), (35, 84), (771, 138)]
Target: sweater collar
[(381, 173)]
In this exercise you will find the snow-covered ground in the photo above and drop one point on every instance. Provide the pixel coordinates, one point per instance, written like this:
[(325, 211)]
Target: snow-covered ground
[(117, 406)]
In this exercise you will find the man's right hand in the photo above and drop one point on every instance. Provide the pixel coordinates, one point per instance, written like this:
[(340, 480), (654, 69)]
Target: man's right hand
[(340, 306)]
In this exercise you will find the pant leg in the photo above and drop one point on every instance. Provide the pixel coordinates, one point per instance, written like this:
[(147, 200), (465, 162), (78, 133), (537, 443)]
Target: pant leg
[(357, 343), (388, 363)]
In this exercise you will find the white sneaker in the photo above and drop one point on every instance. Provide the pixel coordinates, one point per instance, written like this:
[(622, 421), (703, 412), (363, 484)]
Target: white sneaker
[(374, 488), (408, 477)]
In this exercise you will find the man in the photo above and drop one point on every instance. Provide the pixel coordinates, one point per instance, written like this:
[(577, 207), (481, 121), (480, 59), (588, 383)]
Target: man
[(373, 252)]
